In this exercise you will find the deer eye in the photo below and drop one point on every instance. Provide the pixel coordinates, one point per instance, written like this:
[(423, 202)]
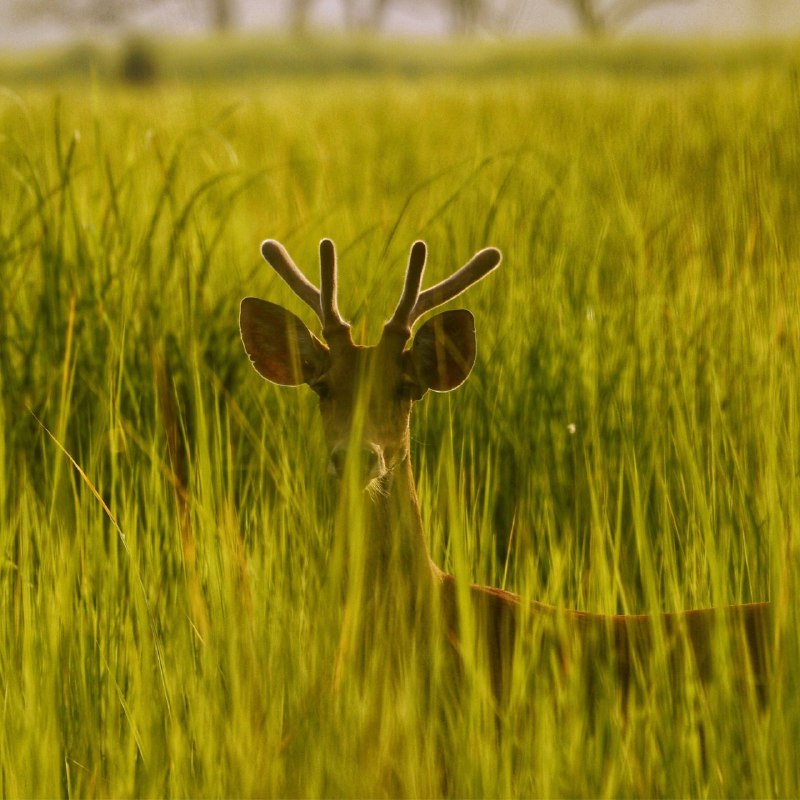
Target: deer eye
[(406, 390), (322, 389)]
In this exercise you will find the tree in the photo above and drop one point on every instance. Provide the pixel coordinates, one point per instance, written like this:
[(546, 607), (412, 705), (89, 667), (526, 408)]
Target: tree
[(365, 14), (597, 17), (112, 15), (222, 14), (466, 15), (503, 16), (106, 14), (298, 14)]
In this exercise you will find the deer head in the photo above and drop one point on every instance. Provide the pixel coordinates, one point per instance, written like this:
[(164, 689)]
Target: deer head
[(365, 393)]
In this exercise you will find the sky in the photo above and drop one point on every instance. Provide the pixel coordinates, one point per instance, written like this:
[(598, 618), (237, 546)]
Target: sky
[(544, 18)]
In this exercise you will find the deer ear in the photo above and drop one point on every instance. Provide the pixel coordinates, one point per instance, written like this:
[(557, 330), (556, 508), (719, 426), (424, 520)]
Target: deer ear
[(443, 351), (280, 346)]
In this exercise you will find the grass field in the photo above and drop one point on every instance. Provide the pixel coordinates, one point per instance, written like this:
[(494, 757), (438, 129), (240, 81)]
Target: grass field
[(628, 441)]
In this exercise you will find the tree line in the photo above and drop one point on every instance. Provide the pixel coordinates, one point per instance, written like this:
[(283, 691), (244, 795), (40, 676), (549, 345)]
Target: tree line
[(594, 17)]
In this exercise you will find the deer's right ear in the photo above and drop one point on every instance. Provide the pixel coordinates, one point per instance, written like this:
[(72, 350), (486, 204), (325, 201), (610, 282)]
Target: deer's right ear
[(443, 351), (283, 350)]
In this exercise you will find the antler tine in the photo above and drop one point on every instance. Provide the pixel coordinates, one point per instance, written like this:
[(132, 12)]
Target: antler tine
[(477, 268), (331, 319), (276, 255), (401, 319)]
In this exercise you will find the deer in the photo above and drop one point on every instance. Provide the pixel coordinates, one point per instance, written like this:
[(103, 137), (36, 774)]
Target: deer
[(366, 395)]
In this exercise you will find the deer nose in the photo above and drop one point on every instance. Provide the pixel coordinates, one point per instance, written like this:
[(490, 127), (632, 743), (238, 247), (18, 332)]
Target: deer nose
[(369, 462)]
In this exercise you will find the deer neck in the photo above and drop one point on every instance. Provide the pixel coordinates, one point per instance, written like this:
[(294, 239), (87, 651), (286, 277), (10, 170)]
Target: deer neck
[(395, 554)]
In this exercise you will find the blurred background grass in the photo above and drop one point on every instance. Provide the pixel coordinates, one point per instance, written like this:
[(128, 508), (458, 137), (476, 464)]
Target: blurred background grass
[(627, 442), (270, 56)]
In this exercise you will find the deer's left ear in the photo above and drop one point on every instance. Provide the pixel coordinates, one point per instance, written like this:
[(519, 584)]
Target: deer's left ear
[(443, 350), (280, 347)]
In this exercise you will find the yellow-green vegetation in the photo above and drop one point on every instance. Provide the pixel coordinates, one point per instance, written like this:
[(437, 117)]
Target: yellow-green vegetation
[(629, 439)]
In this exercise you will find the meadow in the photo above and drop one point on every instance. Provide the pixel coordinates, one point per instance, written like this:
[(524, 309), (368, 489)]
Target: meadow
[(629, 440)]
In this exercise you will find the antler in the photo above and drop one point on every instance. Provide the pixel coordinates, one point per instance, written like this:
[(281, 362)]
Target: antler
[(331, 318), (323, 303), (413, 305)]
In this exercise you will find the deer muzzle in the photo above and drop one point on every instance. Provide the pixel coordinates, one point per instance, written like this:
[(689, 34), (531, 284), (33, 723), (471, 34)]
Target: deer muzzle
[(366, 462)]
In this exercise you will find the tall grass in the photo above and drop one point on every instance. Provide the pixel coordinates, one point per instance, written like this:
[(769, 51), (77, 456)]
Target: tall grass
[(628, 440)]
